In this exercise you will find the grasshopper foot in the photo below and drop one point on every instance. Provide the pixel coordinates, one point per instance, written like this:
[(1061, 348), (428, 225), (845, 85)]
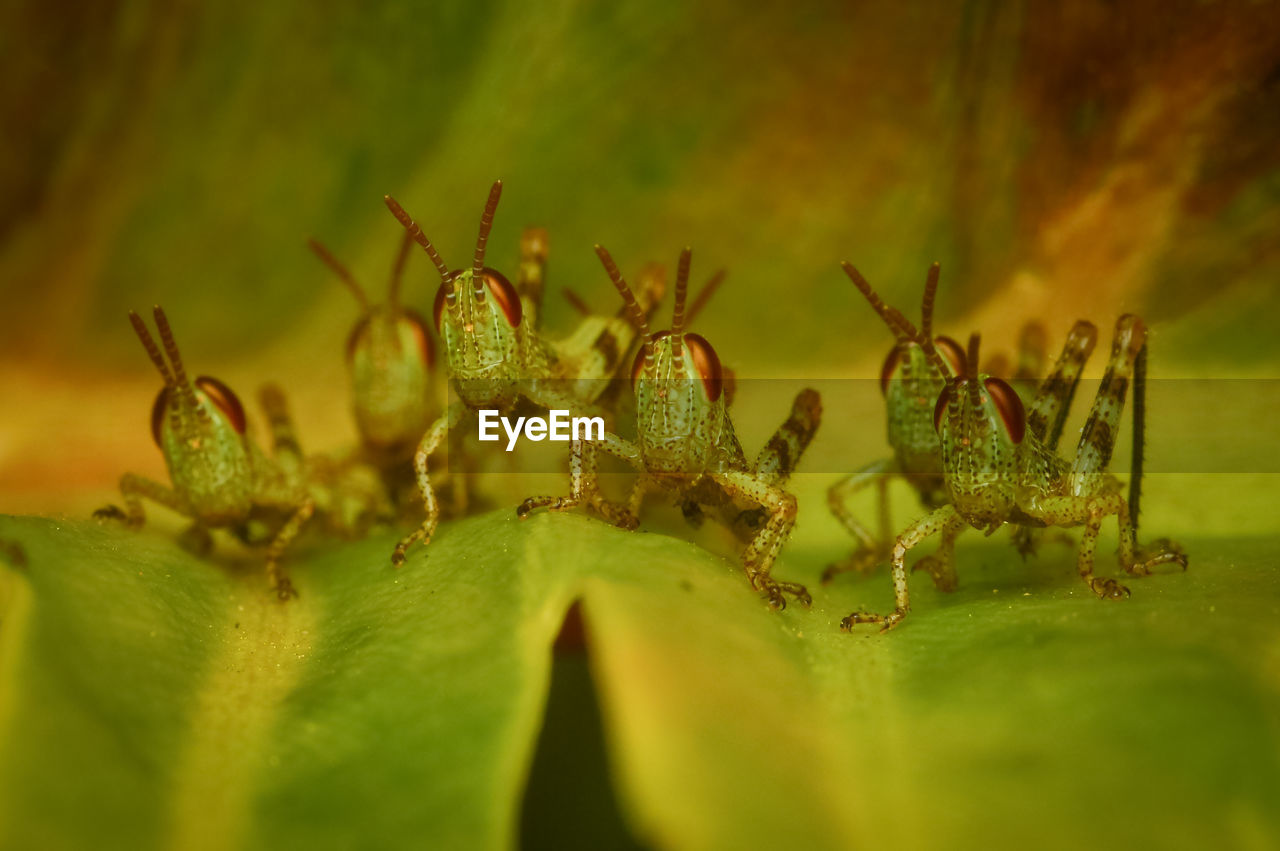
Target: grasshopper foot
[(941, 570), (861, 560), (550, 503), (284, 589), (1108, 589), (116, 514), (887, 622), (1155, 554)]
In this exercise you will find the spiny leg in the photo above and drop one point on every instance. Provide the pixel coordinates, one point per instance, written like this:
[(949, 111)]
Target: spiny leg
[(1136, 560), (1098, 438), (782, 453), (278, 581), (135, 488), (431, 441), (869, 551), (1032, 343), (1048, 411), (284, 435), (909, 539), (942, 564), (760, 554), (585, 482)]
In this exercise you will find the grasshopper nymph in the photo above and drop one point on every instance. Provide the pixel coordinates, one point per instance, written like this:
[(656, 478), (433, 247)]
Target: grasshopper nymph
[(493, 352), (221, 479), (686, 443), (1001, 465)]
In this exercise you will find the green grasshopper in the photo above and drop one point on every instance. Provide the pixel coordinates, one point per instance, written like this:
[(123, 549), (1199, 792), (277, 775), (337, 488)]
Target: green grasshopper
[(494, 354), (221, 478), (686, 443), (389, 354), (1000, 465), (911, 383)]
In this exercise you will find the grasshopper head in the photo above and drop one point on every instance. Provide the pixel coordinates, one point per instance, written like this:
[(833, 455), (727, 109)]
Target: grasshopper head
[(389, 355), (981, 424), (678, 381), (200, 428), (911, 379), (478, 314)]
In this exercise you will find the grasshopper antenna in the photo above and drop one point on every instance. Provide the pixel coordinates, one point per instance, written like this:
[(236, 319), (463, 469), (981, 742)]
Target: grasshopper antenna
[(419, 237), (153, 351), (341, 271), (677, 322), (637, 315), (1139, 434), (175, 358), (704, 295), (486, 224), (397, 271), (926, 307), (576, 301)]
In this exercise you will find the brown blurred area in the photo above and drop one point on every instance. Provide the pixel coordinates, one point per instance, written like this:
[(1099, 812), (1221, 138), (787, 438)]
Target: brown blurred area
[(1061, 161)]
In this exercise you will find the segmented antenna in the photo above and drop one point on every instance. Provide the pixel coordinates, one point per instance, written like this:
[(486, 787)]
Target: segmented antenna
[(971, 371), (153, 351), (418, 236), (638, 318), (677, 322), (175, 358), (397, 271), (575, 301), (341, 271), (704, 295), (1139, 434), (486, 224), (926, 307)]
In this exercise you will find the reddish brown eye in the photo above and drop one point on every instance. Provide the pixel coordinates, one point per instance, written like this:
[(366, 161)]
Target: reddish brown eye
[(1009, 406), (506, 296), (890, 366), (952, 352), (353, 339), (157, 413), (708, 364), (944, 400), (227, 401), (419, 326), (437, 309)]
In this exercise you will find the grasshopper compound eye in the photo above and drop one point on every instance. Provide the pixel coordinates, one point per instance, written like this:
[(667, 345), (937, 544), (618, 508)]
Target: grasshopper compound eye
[(223, 399), (889, 367), (944, 400), (1009, 407), (952, 352), (497, 285), (419, 327)]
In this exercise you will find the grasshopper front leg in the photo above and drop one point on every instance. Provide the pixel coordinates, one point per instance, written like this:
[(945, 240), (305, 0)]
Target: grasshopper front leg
[(870, 551), (134, 489), (585, 482), (431, 441), (936, 521), (763, 550)]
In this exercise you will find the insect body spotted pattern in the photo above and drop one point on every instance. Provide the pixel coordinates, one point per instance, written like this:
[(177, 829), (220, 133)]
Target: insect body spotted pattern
[(686, 444), (1001, 466), (493, 352), (220, 477)]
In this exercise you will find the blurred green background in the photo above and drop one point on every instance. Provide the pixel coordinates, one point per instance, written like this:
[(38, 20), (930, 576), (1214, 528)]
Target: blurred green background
[(1061, 162)]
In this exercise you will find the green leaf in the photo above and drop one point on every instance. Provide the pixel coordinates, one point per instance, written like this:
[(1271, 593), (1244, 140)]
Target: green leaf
[(151, 699)]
